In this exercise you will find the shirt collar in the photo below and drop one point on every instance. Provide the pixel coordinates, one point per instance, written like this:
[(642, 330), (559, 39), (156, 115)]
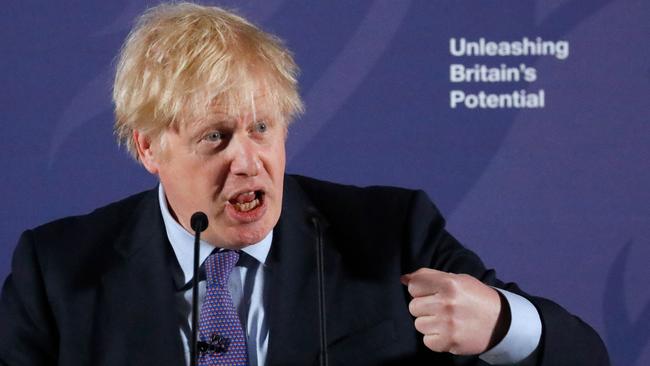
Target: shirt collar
[(182, 242)]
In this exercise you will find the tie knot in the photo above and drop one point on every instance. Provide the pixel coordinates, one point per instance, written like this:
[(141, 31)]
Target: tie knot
[(218, 267)]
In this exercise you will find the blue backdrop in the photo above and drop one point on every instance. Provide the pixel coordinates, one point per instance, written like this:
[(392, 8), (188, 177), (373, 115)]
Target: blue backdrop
[(554, 197)]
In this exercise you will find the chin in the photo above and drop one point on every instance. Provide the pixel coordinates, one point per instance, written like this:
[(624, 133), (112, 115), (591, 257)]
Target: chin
[(250, 237), (242, 237)]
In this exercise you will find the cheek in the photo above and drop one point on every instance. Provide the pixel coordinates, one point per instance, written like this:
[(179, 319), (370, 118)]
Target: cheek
[(278, 158), (193, 183), (203, 172), (279, 168)]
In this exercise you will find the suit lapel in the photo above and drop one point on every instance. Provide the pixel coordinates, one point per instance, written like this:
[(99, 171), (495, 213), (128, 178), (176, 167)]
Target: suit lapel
[(293, 291), (137, 322)]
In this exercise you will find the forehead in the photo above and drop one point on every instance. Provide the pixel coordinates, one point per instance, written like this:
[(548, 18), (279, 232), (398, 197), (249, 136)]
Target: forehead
[(250, 94), (243, 106)]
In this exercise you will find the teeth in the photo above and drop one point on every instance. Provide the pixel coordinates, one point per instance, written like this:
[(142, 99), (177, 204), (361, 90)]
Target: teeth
[(244, 207)]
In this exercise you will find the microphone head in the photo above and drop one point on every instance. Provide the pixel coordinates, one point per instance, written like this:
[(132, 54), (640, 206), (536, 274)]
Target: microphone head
[(199, 221)]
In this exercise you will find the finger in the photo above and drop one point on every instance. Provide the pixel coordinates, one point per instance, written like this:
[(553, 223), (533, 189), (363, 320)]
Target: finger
[(424, 271), (428, 325), (426, 305), (428, 281), (438, 343), (404, 279)]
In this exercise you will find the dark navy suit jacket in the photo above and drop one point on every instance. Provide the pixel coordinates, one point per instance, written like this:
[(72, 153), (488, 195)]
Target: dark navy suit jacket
[(98, 289)]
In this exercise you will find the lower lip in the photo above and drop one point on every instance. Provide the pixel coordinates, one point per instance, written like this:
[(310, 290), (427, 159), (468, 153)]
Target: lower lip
[(248, 216)]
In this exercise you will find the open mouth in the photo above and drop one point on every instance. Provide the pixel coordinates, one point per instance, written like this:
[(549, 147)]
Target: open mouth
[(247, 201)]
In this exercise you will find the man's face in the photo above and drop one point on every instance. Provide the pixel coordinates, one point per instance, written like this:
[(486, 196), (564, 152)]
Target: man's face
[(230, 167)]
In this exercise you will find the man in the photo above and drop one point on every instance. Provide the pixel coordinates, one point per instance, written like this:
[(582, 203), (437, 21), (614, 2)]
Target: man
[(203, 99)]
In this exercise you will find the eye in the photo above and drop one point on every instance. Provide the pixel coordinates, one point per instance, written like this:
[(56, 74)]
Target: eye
[(260, 126), (214, 136)]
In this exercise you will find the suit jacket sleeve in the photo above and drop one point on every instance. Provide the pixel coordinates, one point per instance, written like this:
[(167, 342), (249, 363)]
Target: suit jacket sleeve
[(566, 339), (27, 334)]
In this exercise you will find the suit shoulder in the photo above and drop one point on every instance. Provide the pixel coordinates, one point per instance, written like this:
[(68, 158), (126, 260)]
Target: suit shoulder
[(366, 201), (313, 185), (101, 222)]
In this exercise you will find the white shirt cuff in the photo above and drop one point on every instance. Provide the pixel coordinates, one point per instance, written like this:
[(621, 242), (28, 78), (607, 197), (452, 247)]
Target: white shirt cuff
[(523, 335)]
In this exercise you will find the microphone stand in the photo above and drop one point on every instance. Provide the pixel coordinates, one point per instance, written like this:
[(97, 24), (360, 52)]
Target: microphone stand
[(199, 223), (323, 359)]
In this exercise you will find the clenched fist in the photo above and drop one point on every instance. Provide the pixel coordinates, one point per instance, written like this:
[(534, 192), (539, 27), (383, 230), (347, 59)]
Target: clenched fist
[(456, 313)]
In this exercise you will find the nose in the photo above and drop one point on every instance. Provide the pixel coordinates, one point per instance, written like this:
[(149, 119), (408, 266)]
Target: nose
[(245, 157)]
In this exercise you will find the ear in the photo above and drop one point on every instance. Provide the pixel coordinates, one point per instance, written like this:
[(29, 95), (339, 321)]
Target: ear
[(147, 155)]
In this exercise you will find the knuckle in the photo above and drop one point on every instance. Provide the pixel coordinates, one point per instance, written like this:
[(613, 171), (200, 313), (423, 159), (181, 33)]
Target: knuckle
[(449, 307), (451, 325), (451, 285), (464, 280)]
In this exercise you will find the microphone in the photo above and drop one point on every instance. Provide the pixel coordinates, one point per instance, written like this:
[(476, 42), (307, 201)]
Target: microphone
[(320, 273), (198, 222)]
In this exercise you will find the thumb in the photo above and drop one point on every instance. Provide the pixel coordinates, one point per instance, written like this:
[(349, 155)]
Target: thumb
[(405, 279)]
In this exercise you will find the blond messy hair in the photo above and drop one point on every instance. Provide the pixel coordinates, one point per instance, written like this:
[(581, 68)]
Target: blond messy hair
[(180, 60)]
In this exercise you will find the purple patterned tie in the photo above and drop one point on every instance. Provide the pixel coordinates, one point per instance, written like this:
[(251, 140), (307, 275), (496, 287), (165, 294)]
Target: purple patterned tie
[(222, 339)]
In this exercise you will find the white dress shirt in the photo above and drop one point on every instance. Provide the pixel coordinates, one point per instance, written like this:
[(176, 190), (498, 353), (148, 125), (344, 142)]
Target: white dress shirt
[(246, 285), (247, 290)]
